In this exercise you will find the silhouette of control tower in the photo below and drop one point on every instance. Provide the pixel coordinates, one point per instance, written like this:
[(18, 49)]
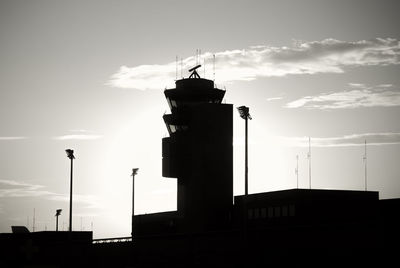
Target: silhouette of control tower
[(199, 153)]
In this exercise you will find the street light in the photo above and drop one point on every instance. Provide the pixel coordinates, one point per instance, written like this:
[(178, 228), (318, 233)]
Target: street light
[(134, 172), (58, 213), (70, 155), (244, 113)]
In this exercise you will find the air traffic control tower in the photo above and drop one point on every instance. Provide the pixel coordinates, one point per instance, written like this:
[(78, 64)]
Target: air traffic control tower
[(199, 154)]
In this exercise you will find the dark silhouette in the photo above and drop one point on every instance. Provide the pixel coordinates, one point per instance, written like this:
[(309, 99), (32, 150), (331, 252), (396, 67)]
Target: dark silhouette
[(134, 173), (70, 155), (244, 113), (211, 227), (58, 213)]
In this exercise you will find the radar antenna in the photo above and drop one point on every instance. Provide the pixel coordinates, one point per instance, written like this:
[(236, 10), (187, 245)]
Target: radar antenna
[(194, 72)]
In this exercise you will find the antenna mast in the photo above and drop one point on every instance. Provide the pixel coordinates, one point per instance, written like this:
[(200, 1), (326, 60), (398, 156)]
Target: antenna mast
[(181, 67), (365, 165), (176, 67), (297, 170), (309, 160), (214, 67), (33, 220)]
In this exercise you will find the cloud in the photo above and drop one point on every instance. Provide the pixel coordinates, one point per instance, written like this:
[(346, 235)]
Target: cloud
[(12, 188), (326, 56), (344, 141), (274, 98), (359, 95), (79, 134), (78, 137), (11, 138)]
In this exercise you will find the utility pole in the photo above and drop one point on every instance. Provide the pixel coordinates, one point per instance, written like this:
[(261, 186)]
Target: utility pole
[(365, 165), (297, 170), (244, 113), (134, 172), (70, 155), (58, 213), (33, 220), (309, 160)]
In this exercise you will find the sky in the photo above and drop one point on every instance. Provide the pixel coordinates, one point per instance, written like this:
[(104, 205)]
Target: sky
[(90, 75)]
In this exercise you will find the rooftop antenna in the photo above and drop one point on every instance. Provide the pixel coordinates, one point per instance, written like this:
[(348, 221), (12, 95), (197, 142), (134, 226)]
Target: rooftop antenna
[(309, 160), (199, 56), (194, 72), (297, 170), (365, 164), (214, 67), (204, 64), (176, 67), (33, 220), (181, 67)]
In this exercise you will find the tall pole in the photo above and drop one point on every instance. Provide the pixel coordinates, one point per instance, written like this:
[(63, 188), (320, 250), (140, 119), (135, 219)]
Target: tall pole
[(246, 176), (365, 165), (309, 160), (70, 196), (134, 172), (297, 170), (70, 155), (33, 220), (56, 223), (244, 113)]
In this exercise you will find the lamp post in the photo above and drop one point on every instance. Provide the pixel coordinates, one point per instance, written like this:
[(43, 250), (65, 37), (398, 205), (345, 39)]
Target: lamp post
[(134, 172), (58, 213), (244, 113), (70, 155)]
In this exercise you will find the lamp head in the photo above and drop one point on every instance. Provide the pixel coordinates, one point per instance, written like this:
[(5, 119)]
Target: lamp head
[(134, 171), (70, 153), (244, 112), (58, 212)]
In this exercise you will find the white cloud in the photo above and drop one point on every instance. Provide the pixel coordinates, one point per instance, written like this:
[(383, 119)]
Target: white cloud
[(326, 56), (274, 98), (358, 96), (12, 188), (79, 134), (344, 141), (78, 137), (11, 138)]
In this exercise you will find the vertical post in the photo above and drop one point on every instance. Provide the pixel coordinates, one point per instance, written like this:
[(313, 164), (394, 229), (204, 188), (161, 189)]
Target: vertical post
[(244, 113), (33, 220), (297, 170), (214, 67), (133, 200), (134, 172), (176, 67), (246, 176), (70, 196), (309, 160), (70, 155), (56, 223), (365, 165)]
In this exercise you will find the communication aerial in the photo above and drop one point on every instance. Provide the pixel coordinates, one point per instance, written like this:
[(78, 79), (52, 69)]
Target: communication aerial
[(309, 160), (365, 165), (194, 72)]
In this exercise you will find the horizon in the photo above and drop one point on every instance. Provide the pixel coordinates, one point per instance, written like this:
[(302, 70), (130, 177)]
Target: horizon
[(90, 75)]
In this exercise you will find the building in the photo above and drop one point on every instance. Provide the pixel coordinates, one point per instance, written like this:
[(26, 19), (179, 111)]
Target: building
[(199, 154)]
